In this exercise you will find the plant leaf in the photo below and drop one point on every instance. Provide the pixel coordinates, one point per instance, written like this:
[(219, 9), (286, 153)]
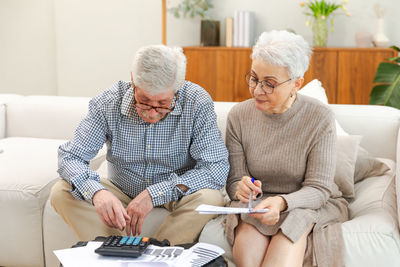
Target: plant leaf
[(387, 73), (393, 99), (397, 59), (395, 48), (192, 8), (379, 94), (387, 94)]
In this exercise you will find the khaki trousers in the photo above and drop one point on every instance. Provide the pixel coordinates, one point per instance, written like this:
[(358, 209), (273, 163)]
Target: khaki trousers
[(182, 225)]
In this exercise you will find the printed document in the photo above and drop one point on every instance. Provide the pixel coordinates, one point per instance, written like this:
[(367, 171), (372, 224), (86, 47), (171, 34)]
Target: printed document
[(154, 256), (210, 209)]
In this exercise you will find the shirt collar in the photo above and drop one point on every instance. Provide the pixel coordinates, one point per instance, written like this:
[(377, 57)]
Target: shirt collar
[(129, 110), (178, 107)]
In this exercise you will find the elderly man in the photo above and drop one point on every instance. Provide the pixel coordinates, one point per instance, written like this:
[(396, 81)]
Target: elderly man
[(163, 150)]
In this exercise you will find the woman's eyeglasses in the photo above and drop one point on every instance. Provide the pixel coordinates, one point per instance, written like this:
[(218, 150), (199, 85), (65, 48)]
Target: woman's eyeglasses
[(266, 85)]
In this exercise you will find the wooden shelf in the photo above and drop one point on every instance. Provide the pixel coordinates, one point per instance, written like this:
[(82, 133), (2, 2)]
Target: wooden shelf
[(346, 73)]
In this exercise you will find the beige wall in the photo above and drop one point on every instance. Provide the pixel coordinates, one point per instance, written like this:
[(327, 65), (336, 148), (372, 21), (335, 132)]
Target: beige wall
[(27, 47), (80, 47), (97, 39)]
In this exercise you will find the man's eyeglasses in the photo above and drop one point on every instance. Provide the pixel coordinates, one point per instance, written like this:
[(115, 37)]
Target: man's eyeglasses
[(267, 86), (162, 110)]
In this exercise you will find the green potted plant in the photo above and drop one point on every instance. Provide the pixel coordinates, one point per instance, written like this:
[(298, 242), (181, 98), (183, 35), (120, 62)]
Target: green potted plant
[(210, 29), (318, 12), (386, 91)]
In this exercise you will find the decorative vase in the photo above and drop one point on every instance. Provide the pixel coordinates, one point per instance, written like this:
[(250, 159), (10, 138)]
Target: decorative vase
[(209, 33), (320, 31), (363, 38), (380, 38)]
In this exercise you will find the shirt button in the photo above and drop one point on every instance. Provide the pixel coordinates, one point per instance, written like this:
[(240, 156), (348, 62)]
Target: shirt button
[(149, 162), (149, 146), (148, 180), (160, 193), (151, 125)]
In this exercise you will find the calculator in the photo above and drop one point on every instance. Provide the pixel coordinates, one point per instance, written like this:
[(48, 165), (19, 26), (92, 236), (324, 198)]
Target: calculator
[(123, 246)]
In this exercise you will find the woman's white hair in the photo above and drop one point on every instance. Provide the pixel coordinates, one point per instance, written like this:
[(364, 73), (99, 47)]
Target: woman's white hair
[(283, 49), (158, 68)]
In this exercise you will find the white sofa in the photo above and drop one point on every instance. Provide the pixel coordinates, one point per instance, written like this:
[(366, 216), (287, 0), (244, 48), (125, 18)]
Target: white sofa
[(32, 128)]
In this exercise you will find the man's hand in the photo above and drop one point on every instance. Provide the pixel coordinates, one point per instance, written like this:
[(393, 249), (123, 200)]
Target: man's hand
[(137, 211), (275, 205), (110, 209)]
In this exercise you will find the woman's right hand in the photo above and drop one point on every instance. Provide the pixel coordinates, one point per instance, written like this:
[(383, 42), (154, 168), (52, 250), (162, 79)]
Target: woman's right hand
[(245, 186)]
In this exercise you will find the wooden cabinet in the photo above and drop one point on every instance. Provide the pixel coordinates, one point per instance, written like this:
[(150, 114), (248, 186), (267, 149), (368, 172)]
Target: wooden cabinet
[(345, 73)]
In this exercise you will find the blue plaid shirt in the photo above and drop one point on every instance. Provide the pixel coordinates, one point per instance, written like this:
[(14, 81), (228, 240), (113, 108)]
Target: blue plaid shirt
[(184, 148)]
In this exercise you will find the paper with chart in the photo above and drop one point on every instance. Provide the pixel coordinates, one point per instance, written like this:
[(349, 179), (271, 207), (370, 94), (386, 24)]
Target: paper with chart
[(210, 209), (154, 256)]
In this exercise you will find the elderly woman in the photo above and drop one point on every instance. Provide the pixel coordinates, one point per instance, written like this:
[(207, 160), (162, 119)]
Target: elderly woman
[(287, 143)]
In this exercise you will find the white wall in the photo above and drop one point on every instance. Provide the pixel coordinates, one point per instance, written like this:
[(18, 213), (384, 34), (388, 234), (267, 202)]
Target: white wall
[(97, 39), (27, 47), (287, 14), (80, 47)]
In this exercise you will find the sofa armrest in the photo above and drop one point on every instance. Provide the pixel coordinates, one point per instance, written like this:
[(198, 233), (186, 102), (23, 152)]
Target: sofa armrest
[(4, 99), (2, 121)]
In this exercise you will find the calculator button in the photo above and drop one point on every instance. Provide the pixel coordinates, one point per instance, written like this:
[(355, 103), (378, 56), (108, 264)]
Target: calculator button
[(137, 241), (130, 240), (123, 240)]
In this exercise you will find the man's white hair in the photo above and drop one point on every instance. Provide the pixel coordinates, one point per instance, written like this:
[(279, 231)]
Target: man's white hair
[(158, 68), (283, 49)]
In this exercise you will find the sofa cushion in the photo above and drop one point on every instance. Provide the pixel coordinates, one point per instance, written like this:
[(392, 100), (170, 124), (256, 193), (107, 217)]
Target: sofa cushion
[(53, 117), (374, 193), (56, 234), (368, 166), (371, 235), (28, 164), (346, 155), (314, 89), (27, 171)]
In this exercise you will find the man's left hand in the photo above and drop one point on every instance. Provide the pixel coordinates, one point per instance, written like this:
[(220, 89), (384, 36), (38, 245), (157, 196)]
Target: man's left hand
[(137, 210)]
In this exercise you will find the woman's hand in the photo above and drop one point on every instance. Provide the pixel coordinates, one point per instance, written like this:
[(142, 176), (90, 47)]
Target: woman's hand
[(245, 186), (275, 205)]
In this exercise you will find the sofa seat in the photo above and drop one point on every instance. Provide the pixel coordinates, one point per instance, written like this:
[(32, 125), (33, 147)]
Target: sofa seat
[(27, 172), (370, 235)]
